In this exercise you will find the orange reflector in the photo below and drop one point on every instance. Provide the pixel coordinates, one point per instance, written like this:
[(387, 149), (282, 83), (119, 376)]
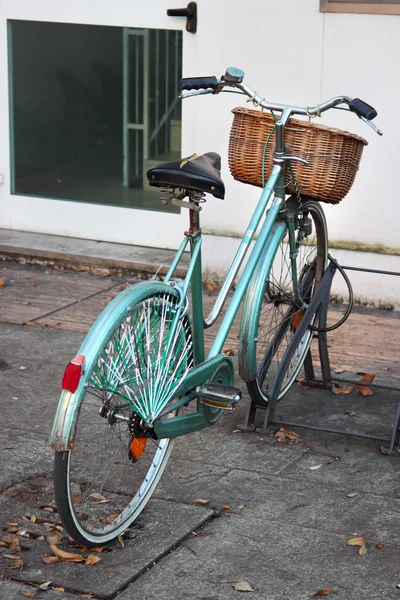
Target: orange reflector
[(297, 317), (137, 447)]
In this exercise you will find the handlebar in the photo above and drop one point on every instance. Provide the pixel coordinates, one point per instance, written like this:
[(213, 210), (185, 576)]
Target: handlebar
[(233, 78)]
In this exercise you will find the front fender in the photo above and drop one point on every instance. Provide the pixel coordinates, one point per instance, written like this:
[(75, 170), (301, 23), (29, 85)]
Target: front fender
[(62, 435)]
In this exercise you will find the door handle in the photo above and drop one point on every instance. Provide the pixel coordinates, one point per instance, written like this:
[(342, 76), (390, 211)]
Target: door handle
[(190, 13)]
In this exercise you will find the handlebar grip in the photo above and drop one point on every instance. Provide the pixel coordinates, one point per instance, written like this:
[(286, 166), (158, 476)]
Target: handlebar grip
[(362, 109), (198, 83)]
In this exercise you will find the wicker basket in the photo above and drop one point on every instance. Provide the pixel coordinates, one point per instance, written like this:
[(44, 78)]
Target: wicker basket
[(334, 155)]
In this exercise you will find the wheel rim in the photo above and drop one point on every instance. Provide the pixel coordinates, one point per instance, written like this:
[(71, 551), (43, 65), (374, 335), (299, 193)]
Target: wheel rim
[(106, 488), (280, 315)]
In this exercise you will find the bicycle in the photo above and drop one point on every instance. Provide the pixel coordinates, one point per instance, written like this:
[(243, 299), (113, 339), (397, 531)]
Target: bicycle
[(142, 367)]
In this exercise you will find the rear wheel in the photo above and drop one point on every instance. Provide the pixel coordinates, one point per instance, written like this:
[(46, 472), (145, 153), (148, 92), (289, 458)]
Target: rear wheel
[(105, 481), (279, 313)]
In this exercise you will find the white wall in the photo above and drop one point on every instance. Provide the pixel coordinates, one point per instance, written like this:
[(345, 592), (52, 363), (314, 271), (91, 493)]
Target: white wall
[(292, 53)]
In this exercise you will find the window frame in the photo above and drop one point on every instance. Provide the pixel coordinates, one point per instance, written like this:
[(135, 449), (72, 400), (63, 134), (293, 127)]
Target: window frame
[(383, 7)]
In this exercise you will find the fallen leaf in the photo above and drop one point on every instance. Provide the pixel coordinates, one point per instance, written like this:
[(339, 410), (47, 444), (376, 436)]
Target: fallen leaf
[(48, 508), (323, 592), (16, 563), (228, 351), (236, 430), (351, 494), (30, 594), (342, 391), (121, 540), (3, 545), (96, 497), (31, 323), (58, 589), (100, 272), (379, 545), (13, 529), (32, 283), (26, 303), (2, 282), (44, 586), (226, 507), (351, 413), (85, 596), (284, 435), (365, 390), (358, 541), (241, 507), (68, 556), (13, 544), (242, 586), (77, 498), (11, 524), (212, 287), (201, 501), (92, 560), (50, 560), (315, 467), (367, 377), (54, 537), (338, 370), (33, 518), (8, 447)]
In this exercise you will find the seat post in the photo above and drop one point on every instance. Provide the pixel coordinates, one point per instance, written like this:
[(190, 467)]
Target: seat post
[(194, 222)]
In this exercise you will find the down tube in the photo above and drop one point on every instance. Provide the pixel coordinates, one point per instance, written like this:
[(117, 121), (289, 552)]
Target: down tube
[(246, 276)]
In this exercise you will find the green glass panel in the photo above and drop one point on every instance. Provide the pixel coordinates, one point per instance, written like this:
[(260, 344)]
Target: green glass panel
[(92, 109)]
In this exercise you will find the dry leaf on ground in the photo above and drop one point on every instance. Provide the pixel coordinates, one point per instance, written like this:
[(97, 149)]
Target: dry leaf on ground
[(2, 282), (201, 501), (323, 592), (96, 497), (342, 391), (242, 586), (351, 413), (284, 435), (212, 287), (228, 351), (54, 537), (316, 467), (16, 563), (50, 560), (92, 560), (58, 589), (44, 586), (30, 594), (226, 507), (364, 389), (358, 541), (351, 494), (68, 556), (379, 545)]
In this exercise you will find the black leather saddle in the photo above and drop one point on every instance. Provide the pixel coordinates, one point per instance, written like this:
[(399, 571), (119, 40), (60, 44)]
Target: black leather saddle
[(200, 173)]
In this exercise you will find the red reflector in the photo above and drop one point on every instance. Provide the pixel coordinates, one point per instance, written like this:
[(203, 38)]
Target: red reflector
[(72, 374)]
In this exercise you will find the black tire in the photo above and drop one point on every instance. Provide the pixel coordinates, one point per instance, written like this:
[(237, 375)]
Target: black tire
[(279, 314)]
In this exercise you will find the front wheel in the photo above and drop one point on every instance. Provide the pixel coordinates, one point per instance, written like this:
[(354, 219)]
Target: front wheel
[(103, 483), (274, 320)]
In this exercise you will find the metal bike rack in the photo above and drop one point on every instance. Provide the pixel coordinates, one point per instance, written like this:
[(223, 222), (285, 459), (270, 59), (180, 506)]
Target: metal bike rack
[(319, 304)]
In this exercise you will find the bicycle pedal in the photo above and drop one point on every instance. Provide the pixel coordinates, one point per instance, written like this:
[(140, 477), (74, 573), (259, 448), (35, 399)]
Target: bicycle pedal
[(224, 397)]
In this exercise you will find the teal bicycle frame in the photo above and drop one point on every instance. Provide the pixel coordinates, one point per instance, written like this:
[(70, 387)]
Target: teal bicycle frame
[(265, 247)]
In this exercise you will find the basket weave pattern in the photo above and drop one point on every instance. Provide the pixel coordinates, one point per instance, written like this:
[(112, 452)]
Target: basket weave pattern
[(334, 155)]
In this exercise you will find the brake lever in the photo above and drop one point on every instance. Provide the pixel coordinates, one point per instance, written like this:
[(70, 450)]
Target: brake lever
[(374, 127)]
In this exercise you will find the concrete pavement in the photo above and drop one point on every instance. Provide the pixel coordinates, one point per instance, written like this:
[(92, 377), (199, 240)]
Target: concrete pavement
[(278, 515)]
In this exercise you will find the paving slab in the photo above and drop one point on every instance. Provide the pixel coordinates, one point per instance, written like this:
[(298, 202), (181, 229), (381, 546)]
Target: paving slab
[(12, 590), (281, 561), (28, 292), (163, 526)]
